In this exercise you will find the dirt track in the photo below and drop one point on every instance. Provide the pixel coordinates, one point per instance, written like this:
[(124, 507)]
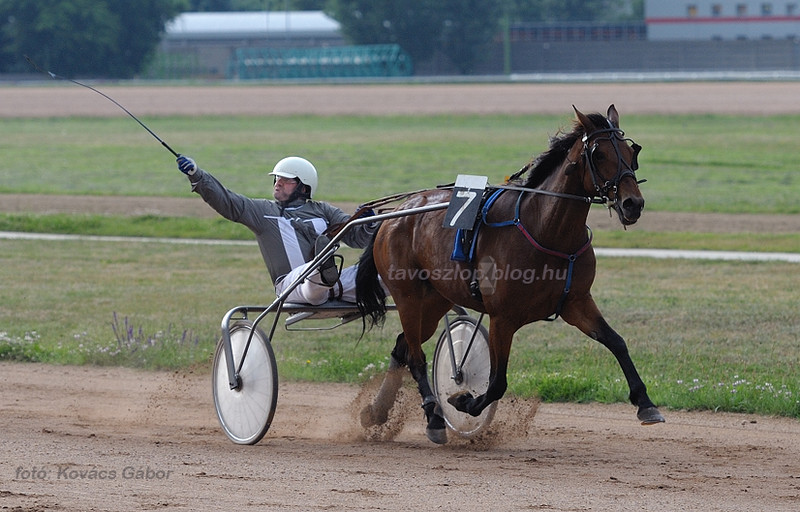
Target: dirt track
[(61, 426), (58, 99)]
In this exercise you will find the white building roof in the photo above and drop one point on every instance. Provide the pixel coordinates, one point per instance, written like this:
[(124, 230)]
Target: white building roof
[(194, 25)]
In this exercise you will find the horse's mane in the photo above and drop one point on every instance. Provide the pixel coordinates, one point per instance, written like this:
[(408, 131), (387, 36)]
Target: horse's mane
[(540, 167)]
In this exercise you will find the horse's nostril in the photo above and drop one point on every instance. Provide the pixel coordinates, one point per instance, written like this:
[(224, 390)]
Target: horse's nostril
[(636, 203), (633, 207)]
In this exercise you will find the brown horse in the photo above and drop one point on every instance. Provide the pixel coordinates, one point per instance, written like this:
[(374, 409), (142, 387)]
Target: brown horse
[(536, 226)]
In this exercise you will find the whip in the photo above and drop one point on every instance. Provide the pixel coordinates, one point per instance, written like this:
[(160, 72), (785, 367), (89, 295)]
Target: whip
[(109, 98)]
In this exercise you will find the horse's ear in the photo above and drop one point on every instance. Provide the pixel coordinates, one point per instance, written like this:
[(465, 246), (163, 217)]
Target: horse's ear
[(613, 116), (582, 119)]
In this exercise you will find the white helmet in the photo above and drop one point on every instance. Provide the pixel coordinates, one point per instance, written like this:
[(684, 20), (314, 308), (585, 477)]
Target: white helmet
[(300, 168)]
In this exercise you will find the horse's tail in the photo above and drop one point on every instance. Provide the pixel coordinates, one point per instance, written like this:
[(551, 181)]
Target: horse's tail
[(370, 295)]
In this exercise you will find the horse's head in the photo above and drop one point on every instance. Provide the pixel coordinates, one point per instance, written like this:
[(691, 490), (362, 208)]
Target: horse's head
[(609, 161)]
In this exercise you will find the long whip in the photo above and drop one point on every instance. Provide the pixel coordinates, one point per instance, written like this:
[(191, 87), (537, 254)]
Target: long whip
[(109, 98)]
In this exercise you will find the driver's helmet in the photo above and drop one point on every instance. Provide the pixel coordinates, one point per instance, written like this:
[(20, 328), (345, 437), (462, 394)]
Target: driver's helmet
[(297, 167)]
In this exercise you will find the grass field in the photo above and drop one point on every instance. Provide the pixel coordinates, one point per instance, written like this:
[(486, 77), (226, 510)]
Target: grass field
[(703, 334), (704, 163)]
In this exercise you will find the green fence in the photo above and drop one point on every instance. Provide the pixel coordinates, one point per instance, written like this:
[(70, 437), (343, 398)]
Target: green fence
[(337, 61), (174, 66)]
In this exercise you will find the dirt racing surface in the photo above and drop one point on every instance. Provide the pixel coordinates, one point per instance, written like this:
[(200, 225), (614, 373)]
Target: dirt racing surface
[(112, 439), (61, 98), (79, 439)]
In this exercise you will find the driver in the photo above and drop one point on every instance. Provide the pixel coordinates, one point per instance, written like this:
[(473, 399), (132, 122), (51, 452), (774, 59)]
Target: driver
[(289, 229)]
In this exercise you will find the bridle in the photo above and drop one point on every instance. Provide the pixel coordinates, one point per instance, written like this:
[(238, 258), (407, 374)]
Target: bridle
[(606, 188), (603, 188)]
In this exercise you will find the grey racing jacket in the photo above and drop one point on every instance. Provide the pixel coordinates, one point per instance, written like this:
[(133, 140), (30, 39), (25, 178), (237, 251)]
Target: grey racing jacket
[(285, 235)]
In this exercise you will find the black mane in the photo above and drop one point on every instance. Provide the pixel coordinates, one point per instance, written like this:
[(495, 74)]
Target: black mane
[(543, 165)]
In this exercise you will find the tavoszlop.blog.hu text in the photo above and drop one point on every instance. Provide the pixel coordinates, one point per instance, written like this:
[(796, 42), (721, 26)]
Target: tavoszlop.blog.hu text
[(482, 272)]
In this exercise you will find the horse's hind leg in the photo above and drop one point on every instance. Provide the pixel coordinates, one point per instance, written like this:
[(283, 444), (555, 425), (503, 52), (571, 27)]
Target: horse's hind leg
[(377, 413), (585, 316), (435, 430)]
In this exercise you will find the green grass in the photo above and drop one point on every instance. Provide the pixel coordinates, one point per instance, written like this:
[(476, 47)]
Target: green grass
[(702, 163), (755, 242), (704, 335), (693, 163), (136, 226), (218, 228), (150, 305), (718, 163)]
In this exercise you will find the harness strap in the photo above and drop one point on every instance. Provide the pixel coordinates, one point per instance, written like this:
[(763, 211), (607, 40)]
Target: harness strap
[(551, 252), (516, 222), (569, 257), (490, 202)]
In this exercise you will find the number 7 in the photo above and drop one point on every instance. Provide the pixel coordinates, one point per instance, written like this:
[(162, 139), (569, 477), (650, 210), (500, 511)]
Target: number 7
[(470, 195)]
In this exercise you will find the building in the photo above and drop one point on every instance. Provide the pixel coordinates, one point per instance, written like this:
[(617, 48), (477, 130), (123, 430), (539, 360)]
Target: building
[(721, 20), (299, 28), (676, 36), (201, 44)]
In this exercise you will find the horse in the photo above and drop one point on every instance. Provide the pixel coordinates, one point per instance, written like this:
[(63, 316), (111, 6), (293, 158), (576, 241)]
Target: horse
[(536, 222)]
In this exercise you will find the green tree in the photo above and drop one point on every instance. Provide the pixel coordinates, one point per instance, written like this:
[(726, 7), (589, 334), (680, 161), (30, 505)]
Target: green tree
[(460, 29), (99, 38), (414, 25), (470, 25), (255, 5)]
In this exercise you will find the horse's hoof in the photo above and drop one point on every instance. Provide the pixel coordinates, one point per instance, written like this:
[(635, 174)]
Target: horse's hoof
[(460, 401), (437, 435), (650, 416), (436, 430), (370, 419), (366, 417)]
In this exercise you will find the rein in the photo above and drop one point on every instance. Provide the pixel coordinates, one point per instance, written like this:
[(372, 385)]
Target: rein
[(368, 208), (584, 199)]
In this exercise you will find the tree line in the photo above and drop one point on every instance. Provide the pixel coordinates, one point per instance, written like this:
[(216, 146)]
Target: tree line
[(117, 38)]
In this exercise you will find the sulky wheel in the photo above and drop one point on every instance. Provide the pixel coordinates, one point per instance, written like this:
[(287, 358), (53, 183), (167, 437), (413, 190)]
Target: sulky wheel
[(474, 376), (245, 413)]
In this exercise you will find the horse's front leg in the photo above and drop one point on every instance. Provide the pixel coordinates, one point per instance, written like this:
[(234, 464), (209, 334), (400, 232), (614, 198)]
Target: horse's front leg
[(585, 315), (501, 333)]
